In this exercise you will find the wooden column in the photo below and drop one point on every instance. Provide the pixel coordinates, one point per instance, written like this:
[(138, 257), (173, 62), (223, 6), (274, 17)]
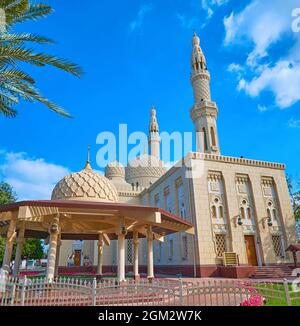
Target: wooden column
[(20, 244), (59, 243), (10, 236), (150, 253), (121, 257), (136, 255), (100, 254)]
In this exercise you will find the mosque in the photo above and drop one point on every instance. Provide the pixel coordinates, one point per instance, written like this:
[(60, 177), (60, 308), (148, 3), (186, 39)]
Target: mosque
[(239, 208)]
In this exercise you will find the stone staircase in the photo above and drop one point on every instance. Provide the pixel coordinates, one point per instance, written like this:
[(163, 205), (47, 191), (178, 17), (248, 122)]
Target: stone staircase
[(268, 272)]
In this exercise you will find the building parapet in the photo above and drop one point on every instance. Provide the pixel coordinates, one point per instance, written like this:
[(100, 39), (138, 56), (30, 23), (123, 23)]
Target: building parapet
[(235, 160)]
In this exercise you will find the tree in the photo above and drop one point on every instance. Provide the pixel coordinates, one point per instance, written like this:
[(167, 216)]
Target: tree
[(15, 84), (7, 195), (295, 195), (33, 248)]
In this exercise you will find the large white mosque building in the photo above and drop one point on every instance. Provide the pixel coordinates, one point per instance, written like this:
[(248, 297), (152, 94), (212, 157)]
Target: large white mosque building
[(236, 205)]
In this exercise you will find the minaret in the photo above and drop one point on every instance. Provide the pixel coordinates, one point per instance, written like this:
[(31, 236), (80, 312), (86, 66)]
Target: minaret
[(154, 138), (204, 112)]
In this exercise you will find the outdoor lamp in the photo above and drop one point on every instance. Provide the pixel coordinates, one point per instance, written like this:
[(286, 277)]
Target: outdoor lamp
[(239, 221), (270, 223)]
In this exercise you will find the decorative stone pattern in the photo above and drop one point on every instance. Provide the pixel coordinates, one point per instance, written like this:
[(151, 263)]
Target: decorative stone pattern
[(115, 170), (201, 88), (85, 185), (245, 199), (144, 170)]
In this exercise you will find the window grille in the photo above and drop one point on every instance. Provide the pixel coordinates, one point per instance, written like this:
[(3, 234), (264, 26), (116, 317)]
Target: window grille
[(277, 245), (184, 247), (220, 244)]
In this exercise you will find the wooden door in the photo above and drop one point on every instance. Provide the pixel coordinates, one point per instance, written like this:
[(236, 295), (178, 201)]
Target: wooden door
[(77, 258), (251, 250)]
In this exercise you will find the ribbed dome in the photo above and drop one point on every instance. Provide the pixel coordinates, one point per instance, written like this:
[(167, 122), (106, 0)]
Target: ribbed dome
[(115, 170), (145, 161), (85, 185)]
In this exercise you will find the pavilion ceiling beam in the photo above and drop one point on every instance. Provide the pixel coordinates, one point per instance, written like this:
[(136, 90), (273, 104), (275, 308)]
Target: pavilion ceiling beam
[(156, 236), (106, 239)]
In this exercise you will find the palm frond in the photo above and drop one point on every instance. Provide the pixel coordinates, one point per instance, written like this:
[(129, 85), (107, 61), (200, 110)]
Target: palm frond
[(38, 59), (14, 73), (33, 12), (15, 84), (20, 89), (6, 110), (24, 37)]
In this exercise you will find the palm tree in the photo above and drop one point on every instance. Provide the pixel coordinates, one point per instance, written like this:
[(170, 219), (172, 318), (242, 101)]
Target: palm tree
[(15, 84)]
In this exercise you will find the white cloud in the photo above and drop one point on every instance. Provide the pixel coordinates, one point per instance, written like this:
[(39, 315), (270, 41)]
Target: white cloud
[(283, 80), (139, 20), (187, 22), (31, 178), (262, 108), (260, 26), (210, 5), (294, 123)]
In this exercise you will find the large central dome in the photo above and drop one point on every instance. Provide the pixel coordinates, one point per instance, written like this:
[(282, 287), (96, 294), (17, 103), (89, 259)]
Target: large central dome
[(85, 185)]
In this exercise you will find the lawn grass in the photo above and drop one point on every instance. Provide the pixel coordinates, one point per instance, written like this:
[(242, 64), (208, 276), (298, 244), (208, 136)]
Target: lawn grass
[(275, 294)]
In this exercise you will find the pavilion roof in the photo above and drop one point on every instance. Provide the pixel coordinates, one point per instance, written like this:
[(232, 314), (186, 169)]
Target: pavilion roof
[(293, 247), (84, 219)]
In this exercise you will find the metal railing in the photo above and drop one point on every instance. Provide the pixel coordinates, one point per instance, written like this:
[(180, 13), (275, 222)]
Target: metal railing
[(63, 291)]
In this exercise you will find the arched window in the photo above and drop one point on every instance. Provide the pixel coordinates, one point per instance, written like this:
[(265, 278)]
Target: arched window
[(213, 137), (214, 211), (269, 214), (274, 214), (243, 213), (249, 213), (221, 211), (205, 139)]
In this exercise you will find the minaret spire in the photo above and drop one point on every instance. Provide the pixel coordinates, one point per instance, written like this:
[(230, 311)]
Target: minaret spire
[(204, 112), (88, 161), (154, 138)]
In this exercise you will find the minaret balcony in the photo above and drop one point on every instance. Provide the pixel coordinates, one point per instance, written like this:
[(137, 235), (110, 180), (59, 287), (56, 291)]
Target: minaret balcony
[(204, 108)]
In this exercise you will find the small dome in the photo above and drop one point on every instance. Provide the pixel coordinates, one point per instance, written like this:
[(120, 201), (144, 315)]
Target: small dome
[(115, 170), (85, 185)]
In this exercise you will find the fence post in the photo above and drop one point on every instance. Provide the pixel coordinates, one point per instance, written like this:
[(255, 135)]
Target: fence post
[(287, 292), (23, 291), (180, 292), (13, 291), (94, 292)]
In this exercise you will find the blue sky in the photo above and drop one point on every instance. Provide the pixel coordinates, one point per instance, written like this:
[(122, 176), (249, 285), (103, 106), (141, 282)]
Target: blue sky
[(137, 53)]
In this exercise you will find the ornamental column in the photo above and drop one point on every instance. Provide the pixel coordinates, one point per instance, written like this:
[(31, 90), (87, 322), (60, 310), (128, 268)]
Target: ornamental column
[(20, 244), (121, 257), (100, 254), (59, 243), (150, 253), (136, 255), (53, 239), (10, 236)]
